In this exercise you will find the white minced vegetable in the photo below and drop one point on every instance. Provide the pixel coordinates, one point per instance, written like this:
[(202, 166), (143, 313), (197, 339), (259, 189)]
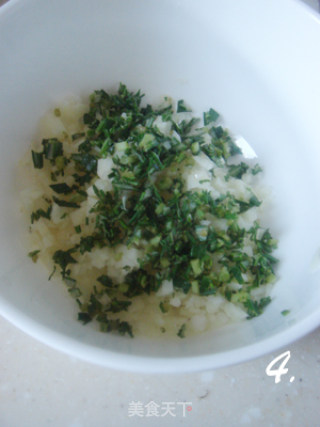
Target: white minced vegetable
[(104, 168), (165, 289), (199, 313)]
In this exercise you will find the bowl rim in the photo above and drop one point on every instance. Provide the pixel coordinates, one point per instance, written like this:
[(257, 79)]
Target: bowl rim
[(157, 365)]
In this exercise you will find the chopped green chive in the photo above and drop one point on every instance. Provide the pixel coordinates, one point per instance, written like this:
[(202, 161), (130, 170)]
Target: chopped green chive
[(285, 312)]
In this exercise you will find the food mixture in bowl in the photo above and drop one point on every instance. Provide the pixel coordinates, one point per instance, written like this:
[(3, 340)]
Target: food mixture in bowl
[(150, 216)]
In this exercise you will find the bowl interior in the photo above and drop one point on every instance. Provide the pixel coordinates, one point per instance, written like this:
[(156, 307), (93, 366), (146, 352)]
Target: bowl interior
[(184, 50)]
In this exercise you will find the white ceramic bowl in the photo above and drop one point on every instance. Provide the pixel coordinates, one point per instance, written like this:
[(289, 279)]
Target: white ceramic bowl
[(256, 62)]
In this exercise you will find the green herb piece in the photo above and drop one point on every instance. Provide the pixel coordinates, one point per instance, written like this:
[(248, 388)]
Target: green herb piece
[(63, 259), (163, 307), (244, 206), (105, 281), (34, 255), (207, 286), (83, 178), (52, 148), (77, 229), (197, 266), (181, 283), (148, 141), (236, 171), (117, 306), (182, 331), (255, 308), (84, 317), (86, 244), (65, 203), (256, 169), (108, 325), (210, 116), (285, 312), (224, 275), (86, 161), (62, 188), (78, 135), (69, 281), (181, 107), (37, 159), (60, 163), (41, 213), (52, 273), (75, 292)]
